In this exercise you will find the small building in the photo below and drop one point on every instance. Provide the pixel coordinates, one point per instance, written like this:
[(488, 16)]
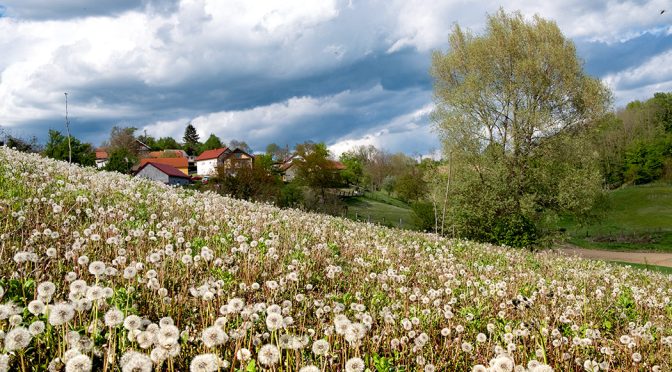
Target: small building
[(182, 164), (232, 160), (163, 173), (101, 158), (289, 168), (168, 153), (236, 160), (207, 162)]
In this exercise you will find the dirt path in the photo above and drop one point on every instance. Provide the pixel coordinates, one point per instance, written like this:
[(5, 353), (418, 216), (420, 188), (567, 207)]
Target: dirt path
[(650, 258)]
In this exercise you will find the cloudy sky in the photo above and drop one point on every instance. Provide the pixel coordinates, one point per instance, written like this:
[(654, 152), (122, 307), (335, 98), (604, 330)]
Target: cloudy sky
[(343, 72)]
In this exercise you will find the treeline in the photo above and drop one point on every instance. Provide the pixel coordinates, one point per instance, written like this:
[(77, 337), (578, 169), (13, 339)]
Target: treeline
[(635, 142), (317, 180)]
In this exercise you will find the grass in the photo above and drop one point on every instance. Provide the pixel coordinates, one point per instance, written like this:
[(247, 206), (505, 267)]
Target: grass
[(637, 218), (379, 208), (660, 269)]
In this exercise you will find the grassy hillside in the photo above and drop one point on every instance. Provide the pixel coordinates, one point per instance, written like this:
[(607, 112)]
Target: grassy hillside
[(380, 208), (638, 217), (104, 272)]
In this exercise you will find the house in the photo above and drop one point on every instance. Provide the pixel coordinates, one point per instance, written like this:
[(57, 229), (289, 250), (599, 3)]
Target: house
[(232, 160), (207, 162), (168, 154), (163, 173), (237, 159), (180, 163), (101, 158), (143, 150), (289, 168)]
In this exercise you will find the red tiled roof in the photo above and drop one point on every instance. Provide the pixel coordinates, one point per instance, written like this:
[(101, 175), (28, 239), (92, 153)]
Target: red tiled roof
[(173, 162), (101, 155), (331, 164), (168, 153), (165, 168), (336, 165), (211, 154)]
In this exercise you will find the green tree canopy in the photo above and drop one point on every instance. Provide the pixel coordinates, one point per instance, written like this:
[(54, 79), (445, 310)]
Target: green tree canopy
[(507, 102), (167, 143), (121, 160), (24, 145), (213, 142), (57, 148), (149, 141), (354, 173), (315, 169), (191, 138)]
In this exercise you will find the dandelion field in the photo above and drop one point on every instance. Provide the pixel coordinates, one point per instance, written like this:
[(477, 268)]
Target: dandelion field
[(108, 273)]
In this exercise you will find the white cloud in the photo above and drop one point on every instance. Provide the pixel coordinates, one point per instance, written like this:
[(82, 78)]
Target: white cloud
[(242, 42), (410, 132), (655, 75), (263, 123)]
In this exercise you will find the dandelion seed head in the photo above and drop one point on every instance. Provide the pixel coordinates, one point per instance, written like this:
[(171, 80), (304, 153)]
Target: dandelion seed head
[(268, 355)]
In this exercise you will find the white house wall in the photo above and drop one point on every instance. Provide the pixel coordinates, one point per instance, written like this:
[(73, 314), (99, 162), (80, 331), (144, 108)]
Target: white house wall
[(206, 167)]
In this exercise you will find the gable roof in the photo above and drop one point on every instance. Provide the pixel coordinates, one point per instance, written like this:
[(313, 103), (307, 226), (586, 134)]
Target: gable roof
[(173, 162), (163, 153), (331, 164), (165, 168), (211, 154), (100, 155), (336, 165), (237, 150)]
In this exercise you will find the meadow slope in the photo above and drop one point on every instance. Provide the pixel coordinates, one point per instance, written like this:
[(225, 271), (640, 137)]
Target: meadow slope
[(101, 271)]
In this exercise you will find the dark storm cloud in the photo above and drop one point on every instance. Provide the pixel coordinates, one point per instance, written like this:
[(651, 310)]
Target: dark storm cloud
[(604, 58), (67, 9), (343, 72)]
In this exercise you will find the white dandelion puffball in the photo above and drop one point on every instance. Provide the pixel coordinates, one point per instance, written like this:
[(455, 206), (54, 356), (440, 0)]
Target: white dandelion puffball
[(79, 363), (213, 336), (243, 355), (113, 317), (17, 339), (204, 363), (132, 322), (354, 365), (321, 347), (274, 321), (133, 361), (60, 314), (269, 355)]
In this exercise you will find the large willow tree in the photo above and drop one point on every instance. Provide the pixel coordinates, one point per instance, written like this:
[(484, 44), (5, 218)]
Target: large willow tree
[(513, 105)]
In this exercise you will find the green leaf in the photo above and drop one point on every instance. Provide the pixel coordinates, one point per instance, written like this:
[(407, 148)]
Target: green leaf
[(251, 366)]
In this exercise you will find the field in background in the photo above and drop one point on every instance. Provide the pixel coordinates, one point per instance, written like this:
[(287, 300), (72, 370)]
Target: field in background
[(638, 218), (378, 207)]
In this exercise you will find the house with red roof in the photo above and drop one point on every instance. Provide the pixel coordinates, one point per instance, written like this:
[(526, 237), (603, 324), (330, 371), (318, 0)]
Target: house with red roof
[(182, 164), (231, 160), (163, 173), (289, 168), (101, 158)]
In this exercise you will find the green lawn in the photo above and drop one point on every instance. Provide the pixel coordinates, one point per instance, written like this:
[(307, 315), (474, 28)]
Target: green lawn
[(661, 269), (638, 217), (383, 210)]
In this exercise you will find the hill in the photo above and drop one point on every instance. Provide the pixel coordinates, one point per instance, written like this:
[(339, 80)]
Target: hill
[(381, 209), (101, 271), (637, 218)]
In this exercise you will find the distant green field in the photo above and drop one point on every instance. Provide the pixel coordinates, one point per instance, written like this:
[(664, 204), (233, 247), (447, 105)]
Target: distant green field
[(638, 218), (661, 269), (380, 208)]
